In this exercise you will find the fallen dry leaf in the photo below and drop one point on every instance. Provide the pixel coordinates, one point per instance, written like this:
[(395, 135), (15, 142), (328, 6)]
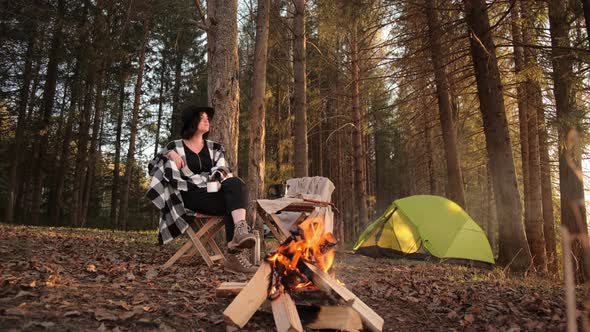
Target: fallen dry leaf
[(24, 293), (149, 308), (151, 273), (72, 313), (124, 305), (101, 314), (127, 315), (16, 311), (46, 325)]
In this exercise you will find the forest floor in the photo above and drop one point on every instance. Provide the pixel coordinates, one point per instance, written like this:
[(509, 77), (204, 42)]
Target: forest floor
[(81, 279)]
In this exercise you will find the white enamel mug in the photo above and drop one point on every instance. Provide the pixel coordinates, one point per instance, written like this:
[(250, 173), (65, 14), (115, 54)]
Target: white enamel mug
[(212, 187)]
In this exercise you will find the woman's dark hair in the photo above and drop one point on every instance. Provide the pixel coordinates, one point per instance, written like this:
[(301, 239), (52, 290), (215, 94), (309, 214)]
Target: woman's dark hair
[(191, 116)]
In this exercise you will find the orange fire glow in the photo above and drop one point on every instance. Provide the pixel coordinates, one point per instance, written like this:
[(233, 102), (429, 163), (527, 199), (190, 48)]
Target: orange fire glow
[(313, 245)]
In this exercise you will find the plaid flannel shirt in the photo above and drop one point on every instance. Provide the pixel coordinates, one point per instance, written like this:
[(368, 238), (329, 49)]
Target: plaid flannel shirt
[(167, 183)]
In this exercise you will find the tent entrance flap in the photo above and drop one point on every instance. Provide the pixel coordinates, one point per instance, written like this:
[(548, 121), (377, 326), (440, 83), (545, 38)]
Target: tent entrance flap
[(399, 234), (368, 235), (425, 224)]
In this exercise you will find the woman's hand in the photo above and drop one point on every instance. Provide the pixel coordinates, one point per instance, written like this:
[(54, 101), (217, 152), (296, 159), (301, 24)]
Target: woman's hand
[(175, 157)]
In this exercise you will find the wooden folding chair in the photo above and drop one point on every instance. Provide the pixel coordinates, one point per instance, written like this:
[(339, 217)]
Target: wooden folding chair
[(322, 188), (198, 241)]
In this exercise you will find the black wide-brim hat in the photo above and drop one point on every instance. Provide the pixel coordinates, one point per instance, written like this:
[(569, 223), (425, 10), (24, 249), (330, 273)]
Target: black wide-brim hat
[(192, 112)]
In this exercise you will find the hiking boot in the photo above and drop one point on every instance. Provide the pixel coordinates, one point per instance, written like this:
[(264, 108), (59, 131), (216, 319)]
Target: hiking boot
[(238, 263), (242, 237)]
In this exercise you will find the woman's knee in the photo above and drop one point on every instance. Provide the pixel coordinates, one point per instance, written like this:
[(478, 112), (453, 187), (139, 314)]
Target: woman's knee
[(233, 182)]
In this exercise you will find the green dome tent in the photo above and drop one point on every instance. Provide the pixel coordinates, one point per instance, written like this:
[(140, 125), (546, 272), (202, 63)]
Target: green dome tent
[(422, 226)]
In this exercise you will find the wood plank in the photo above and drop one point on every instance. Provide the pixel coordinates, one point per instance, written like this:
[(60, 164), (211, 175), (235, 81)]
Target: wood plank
[(323, 281), (275, 231), (216, 250), (270, 223), (306, 206), (186, 246), (200, 247), (568, 276), (229, 289), (330, 317), (300, 219), (250, 298), (209, 237), (299, 208), (216, 257), (285, 314), (209, 225), (279, 224), (191, 252)]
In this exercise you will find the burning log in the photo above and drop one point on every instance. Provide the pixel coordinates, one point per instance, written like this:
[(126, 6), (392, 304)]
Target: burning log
[(300, 263), (229, 289), (330, 317), (285, 314), (323, 281), (250, 298), (305, 294)]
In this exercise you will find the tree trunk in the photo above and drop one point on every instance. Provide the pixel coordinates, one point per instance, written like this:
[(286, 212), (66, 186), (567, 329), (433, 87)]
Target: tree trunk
[(58, 146), (338, 155), (42, 134), (257, 111), (513, 244), (103, 52), (521, 93), (176, 119), (117, 161), (527, 91), (93, 152), (381, 157), (573, 214), (490, 211), (534, 100), (360, 183), (160, 104), (454, 174), (322, 167), (299, 90), (20, 127), (547, 194), (222, 75), (130, 162), (89, 59), (82, 144), (56, 208), (22, 208), (586, 6)]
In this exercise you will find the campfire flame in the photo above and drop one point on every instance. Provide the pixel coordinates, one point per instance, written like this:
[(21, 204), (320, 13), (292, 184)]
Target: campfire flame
[(308, 244)]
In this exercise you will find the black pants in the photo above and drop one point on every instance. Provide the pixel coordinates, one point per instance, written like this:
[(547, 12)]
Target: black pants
[(233, 195)]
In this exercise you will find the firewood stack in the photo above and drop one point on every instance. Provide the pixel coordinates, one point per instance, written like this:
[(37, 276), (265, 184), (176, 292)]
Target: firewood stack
[(299, 269)]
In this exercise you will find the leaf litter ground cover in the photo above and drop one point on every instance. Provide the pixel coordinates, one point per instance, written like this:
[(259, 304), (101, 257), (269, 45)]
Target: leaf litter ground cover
[(82, 279)]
